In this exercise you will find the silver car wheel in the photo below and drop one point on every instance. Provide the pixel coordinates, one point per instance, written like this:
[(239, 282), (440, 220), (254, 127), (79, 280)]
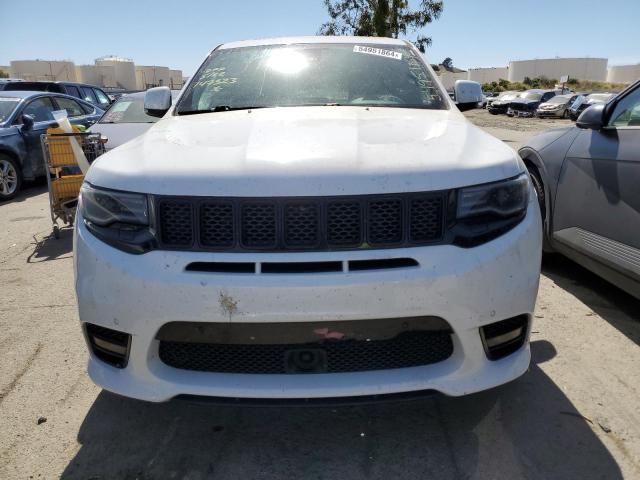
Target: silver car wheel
[(8, 178)]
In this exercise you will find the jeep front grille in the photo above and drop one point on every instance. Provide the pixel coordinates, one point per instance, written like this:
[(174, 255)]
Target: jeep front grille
[(300, 223)]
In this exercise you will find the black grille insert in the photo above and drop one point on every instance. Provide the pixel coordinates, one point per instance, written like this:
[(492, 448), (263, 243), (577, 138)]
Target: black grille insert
[(216, 224), (301, 223), (176, 222), (408, 349)]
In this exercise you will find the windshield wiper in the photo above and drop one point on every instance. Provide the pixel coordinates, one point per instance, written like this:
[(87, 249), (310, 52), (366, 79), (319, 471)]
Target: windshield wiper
[(217, 108)]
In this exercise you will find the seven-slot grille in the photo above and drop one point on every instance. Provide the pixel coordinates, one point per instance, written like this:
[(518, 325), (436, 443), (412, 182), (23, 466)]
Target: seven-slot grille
[(301, 223)]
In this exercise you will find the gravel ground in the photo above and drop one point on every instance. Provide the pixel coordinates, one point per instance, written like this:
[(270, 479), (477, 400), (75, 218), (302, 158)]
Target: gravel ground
[(575, 414)]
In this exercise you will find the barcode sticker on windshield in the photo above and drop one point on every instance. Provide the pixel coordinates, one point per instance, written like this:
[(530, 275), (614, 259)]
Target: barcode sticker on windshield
[(381, 52)]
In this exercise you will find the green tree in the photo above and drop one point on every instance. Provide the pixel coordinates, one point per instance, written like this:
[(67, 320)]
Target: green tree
[(3, 74), (380, 18), (448, 63)]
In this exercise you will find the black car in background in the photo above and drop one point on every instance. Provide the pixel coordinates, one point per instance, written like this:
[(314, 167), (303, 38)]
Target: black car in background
[(581, 103), (83, 91), (501, 103), (529, 101)]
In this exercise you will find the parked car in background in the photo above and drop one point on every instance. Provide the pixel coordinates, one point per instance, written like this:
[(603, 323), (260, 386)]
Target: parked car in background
[(583, 102), (467, 94), (487, 97), (240, 240), (557, 106), (125, 119), (501, 103), (528, 102), (24, 116), (586, 178), (88, 93)]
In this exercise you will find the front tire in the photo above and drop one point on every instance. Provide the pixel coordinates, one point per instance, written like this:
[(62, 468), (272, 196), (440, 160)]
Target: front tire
[(538, 186), (10, 177)]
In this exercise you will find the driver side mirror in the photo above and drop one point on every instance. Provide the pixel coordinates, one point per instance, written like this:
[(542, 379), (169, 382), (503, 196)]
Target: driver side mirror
[(157, 101), (27, 122), (592, 118)]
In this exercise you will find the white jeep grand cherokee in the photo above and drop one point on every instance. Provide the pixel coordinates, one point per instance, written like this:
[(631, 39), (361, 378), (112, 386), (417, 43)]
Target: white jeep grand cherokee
[(313, 219)]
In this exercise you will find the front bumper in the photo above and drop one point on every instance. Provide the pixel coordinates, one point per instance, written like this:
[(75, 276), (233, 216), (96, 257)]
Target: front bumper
[(521, 113), (549, 113), (469, 288)]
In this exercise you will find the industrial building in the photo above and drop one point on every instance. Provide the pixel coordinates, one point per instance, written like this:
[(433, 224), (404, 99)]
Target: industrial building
[(109, 72), (36, 70), (489, 74), (594, 69), (623, 73)]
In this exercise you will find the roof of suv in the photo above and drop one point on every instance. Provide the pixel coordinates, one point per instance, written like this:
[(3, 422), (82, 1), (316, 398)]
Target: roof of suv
[(314, 39), (25, 93)]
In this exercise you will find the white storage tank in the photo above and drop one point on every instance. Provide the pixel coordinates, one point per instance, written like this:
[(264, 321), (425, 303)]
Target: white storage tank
[(124, 69)]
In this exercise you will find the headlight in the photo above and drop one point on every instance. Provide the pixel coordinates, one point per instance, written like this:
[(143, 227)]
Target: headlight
[(120, 219), (484, 212)]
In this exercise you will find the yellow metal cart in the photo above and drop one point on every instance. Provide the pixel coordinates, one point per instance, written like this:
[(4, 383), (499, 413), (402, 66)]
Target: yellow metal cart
[(64, 177)]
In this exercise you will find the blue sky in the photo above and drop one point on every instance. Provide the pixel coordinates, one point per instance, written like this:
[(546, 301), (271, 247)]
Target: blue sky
[(179, 34)]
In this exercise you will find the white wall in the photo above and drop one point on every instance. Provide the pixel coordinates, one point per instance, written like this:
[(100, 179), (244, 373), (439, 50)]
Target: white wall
[(594, 69), (487, 75), (448, 79), (623, 73)]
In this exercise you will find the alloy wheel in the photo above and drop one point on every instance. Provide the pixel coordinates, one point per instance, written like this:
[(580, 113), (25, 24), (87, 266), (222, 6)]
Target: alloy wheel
[(8, 178)]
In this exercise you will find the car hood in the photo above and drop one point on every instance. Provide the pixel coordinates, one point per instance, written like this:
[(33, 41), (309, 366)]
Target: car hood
[(551, 105), (7, 130), (542, 140), (304, 151), (119, 133), (524, 101)]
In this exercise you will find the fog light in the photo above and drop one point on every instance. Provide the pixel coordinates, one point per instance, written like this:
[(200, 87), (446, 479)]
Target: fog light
[(505, 337), (110, 346)]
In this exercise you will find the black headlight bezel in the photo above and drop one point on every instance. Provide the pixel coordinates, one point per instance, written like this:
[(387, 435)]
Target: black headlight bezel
[(135, 237), (471, 231)]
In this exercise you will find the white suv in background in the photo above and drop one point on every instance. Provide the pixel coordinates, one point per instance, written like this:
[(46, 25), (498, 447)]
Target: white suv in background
[(313, 219)]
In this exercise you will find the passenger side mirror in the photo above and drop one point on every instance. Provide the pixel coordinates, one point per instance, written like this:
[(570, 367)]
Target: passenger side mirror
[(27, 122), (592, 118), (157, 101)]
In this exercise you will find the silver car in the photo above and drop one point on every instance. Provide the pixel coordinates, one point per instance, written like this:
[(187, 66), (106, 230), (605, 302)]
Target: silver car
[(125, 119), (587, 179), (556, 107)]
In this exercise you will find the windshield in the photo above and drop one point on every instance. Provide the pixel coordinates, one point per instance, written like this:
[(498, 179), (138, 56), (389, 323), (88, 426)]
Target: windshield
[(7, 106), (531, 96), (311, 74), (128, 109)]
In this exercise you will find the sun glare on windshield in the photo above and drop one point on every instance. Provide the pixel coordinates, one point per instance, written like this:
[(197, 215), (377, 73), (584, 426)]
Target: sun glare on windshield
[(287, 61)]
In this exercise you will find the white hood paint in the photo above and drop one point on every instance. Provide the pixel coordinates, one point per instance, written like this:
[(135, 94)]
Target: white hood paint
[(305, 151)]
